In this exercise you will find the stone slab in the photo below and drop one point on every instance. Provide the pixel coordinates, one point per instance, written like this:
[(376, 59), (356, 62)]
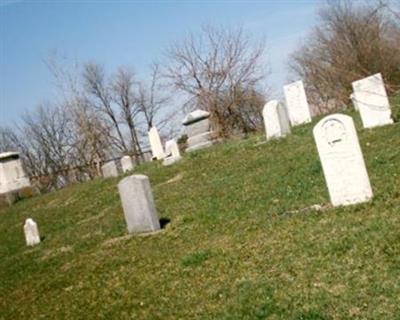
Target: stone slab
[(138, 204), (197, 128), (199, 139), (155, 144), (296, 103), (127, 164), (195, 116), (342, 160), (276, 120), (372, 101), (31, 232)]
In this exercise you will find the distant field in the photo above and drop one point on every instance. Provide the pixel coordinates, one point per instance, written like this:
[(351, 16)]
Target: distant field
[(234, 248)]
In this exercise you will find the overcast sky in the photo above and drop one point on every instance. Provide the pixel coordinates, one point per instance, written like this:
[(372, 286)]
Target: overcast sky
[(132, 33)]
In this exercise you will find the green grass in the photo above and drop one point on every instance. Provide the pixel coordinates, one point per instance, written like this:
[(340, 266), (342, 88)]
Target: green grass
[(234, 249)]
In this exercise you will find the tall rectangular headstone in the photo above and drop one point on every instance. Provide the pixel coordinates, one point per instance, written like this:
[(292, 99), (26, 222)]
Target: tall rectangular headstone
[(126, 163), (296, 103), (138, 204), (342, 160), (276, 120), (371, 99), (155, 144), (31, 232), (109, 169)]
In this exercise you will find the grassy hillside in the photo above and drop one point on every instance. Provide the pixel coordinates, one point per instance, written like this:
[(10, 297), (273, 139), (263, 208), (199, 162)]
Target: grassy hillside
[(238, 245)]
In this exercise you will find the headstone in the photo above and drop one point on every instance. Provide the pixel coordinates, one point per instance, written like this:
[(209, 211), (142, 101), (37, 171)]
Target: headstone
[(342, 160), (172, 152), (14, 183), (31, 232), (109, 169), (197, 127), (12, 174), (155, 144), (138, 204), (372, 101), (276, 120), (126, 163), (296, 103)]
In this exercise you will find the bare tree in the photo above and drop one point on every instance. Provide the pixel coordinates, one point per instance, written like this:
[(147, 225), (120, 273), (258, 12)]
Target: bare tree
[(214, 70), (91, 129), (123, 95), (349, 43), (97, 86), (151, 98)]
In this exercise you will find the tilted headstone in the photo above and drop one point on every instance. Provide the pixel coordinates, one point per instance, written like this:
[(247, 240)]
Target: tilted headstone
[(172, 152), (31, 232), (126, 163), (276, 120), (198, 130), (296, 103), (342, 160), (138, 204), (372, 101), (109, 169), (155, 144)]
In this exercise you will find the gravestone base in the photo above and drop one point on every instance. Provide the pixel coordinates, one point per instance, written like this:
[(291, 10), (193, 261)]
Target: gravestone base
[(170, 160), (200, 146), (8, 198)]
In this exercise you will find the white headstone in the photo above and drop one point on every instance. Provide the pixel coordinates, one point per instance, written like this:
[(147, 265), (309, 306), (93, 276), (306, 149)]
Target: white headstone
[(296, 103), (126, 163), (155, 144), (109, 169), (342, 160), (31, 232), (172, 148), (372, 101), (276, 120), (12, 174), (138, 204), (172, 152)]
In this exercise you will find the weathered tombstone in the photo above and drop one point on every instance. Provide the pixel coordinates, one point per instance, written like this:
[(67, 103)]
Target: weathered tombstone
[(109, 169), (372, 101), (31, 232), (276, 120), (172, 152), (296, 103), (342, 160), (13, 180), (138, 204), (155, 144), (198, 130), (126, 164)]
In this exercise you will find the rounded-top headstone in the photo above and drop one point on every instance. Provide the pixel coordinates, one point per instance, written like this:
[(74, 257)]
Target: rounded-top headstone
[(342, 160), (195, 116), (31, 231)]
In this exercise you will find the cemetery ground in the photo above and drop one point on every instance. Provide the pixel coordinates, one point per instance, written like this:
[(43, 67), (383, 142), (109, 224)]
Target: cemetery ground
[(243, 241)]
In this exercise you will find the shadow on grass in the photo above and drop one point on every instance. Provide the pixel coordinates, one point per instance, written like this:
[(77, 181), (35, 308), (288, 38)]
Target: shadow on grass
[(164, 222)]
